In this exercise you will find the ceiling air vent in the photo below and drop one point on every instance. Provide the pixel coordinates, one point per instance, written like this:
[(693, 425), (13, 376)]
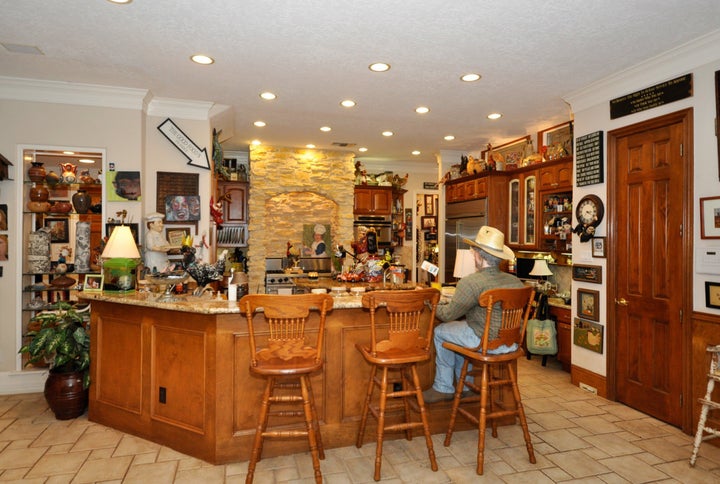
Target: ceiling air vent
[(343, 145)]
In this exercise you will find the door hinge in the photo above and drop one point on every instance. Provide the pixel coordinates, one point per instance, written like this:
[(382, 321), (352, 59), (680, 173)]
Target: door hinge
[(681, 230), (681, 400), (682, 149), (681, 316)]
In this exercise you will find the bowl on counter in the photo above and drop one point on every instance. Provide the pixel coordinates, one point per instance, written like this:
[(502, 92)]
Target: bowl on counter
[(338, 290), (357, 291), (319, 291)]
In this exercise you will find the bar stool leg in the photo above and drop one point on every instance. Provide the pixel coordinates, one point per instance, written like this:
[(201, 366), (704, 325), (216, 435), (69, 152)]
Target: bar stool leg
[(423, 417), (381, 423), (521, 413), (310, 426), (259, 430), (366, 408), (316, 421), (456, 402)]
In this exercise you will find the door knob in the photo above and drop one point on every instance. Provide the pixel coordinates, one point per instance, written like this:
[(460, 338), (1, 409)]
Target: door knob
[(621, 302)]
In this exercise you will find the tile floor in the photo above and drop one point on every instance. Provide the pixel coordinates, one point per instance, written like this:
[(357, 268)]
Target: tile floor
[(578, 437)]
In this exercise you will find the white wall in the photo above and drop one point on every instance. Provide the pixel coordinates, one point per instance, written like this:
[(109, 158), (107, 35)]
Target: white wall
[(92, 117), (592, 113)]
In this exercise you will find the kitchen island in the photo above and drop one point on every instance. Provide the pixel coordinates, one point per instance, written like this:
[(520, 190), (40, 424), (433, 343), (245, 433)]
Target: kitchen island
[(176, 373)]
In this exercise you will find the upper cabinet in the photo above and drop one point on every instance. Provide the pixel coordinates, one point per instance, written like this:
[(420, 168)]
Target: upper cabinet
[(556, 175), (522, 220), (373, 201), (234, 195)]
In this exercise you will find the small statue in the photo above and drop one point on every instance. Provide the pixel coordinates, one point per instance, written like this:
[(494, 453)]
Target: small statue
[(68, 173)]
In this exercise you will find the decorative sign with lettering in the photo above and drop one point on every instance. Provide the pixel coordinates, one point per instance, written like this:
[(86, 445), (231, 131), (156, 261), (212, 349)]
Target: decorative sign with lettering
[(652, 97), (196, 156), (589, 159)]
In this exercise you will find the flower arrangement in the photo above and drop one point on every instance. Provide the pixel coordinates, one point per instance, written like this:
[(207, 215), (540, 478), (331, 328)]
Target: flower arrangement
[(293, 252)]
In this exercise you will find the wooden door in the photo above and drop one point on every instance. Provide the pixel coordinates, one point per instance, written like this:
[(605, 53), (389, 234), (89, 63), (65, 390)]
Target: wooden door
[(651, 239)]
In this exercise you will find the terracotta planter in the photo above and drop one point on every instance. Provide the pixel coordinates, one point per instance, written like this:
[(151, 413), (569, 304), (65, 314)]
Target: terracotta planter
[(65, 394)]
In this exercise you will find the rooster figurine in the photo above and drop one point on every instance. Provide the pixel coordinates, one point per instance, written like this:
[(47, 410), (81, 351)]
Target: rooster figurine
[(216, 211), (202, 272)]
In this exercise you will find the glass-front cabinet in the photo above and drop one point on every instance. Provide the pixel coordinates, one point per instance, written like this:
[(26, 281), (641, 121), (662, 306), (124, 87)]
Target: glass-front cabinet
[(514, 212), (522, 220), (529, 197)]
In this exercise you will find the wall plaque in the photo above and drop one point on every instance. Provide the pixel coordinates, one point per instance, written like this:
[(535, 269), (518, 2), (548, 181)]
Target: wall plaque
[(652, 97), (589, 159)]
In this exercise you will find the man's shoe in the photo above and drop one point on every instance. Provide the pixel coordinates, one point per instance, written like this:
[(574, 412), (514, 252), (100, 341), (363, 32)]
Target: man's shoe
[(432, 396)]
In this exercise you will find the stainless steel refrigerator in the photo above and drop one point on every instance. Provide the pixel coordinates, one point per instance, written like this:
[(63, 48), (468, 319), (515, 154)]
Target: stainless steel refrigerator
[(462, 220)]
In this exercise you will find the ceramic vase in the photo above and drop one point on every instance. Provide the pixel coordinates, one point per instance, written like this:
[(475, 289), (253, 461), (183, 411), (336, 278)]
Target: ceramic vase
[(68, 173), (65, 394), (81, 201), (39, 193), (82, 247), (36, 172), (52, 178)]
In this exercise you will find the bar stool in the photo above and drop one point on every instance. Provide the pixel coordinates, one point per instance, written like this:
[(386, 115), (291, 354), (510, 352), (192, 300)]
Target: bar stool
[(511, 307), (405, 344), (707, 404), (286, 362)]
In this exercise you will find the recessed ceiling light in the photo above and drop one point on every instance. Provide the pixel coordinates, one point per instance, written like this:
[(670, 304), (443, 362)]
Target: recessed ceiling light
[(470, 77), (449, 137), (120, 2), (387, 133), (347, 103), (268, 96), (260, 124), (379, 67), (256, 142), (494, 116), (202, 59), (68, 152), (85, 160), (362, 150), (27, 157), (416, 152), (422, 110), (325, 129), (310, 146)]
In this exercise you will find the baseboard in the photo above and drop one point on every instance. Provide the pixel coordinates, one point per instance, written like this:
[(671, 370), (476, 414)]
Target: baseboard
[(14, 382), (588, 380)]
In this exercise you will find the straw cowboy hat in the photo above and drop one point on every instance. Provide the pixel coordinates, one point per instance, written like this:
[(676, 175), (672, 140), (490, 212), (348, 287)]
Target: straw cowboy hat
[(492, 241)]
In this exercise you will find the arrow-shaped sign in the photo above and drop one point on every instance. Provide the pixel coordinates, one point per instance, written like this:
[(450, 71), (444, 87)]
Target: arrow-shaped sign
[(198, 157)]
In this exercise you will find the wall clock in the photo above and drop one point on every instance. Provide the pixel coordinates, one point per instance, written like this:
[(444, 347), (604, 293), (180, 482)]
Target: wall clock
[(589, 212)]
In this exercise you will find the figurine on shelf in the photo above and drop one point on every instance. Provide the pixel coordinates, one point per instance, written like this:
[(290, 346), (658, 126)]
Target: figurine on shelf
[(68, 173), (156, 245)]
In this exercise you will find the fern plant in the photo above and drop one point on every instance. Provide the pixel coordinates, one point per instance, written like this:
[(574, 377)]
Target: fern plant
[(62, 340)]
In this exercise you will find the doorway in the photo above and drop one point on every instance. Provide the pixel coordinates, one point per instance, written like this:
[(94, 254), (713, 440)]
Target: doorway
[(650, 236), (426, 228)]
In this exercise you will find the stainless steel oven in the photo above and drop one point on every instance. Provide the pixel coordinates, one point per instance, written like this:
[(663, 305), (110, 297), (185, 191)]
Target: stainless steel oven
[(382, 225)]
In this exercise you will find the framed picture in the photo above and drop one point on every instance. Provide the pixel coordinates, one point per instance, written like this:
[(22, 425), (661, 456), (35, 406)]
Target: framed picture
[(587, 273), (428, 222), (109, 227), (408, 224), (182, 208), (93, 283), (598, 247), (710, 218), (429, 205), (512, 151), (588, 304), (712, 294), (588, 335), (59, 229), (4, 247), (175, 235), (558, 139), (3, 217), (126, 186)]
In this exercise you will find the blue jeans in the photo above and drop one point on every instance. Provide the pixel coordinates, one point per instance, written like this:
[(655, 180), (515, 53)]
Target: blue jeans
[(448, 364)]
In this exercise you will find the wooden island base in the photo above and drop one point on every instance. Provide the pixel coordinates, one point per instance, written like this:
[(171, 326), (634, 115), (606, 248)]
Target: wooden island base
[(177, 374)]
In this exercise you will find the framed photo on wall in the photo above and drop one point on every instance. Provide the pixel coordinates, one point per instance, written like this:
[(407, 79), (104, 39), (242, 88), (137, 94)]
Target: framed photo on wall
[(175, 235), (109, 227), (59, 229), (710, 218), (93, 283), (429, 222), (429, 205), (598, 247), (587, 273), (712, 294), (588, 304)]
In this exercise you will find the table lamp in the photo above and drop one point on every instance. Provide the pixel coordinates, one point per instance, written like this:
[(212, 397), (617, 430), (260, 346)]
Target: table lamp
[(541, 270), (464, 263), (120, 258)]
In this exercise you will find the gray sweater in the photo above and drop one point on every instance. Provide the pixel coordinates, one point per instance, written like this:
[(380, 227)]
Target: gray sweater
[(465, 300)]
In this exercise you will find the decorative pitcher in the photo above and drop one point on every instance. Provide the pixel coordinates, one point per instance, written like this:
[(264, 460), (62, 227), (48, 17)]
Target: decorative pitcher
[(68, 173)]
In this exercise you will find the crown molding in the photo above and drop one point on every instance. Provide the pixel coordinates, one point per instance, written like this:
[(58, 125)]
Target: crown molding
[(36, 90), (179, 108), (673, 63)]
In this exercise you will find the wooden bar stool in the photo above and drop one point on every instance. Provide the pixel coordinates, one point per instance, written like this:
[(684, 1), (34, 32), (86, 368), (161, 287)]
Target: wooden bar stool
[(708, 404), (512, 308), (286, 361), (404, 345)]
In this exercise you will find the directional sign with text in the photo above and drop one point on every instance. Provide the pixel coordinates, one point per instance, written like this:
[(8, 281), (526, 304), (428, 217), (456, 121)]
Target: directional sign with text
[(196, 156)]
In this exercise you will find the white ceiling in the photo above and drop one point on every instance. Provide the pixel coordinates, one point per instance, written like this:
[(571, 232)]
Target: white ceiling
[(315, 53)]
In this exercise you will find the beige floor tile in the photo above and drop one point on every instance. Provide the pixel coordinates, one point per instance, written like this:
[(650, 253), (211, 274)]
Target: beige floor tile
[(98, 439), (131, 445), (15, 458), (58, 464), (563, 440), (528, 477), (578, 464), (58, 434), (206, 475), (103, 469), (633, 469)]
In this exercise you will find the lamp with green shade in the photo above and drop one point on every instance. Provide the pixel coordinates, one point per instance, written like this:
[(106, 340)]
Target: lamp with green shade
[(120, 258)]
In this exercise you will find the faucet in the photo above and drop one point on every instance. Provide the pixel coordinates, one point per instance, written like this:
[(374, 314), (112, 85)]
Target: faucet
[(202, 290), (386, 274)]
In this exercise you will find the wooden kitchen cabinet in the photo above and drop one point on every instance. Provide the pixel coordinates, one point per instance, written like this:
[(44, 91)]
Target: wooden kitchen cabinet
[(556, 175), (373, 201), (522, 213), (234, 195), (563, 324)]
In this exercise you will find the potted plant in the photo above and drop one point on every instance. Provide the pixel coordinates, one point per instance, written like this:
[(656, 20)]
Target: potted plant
[(60, 338)]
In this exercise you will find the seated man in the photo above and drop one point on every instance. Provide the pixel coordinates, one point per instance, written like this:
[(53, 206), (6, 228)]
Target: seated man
[(464, 318)]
